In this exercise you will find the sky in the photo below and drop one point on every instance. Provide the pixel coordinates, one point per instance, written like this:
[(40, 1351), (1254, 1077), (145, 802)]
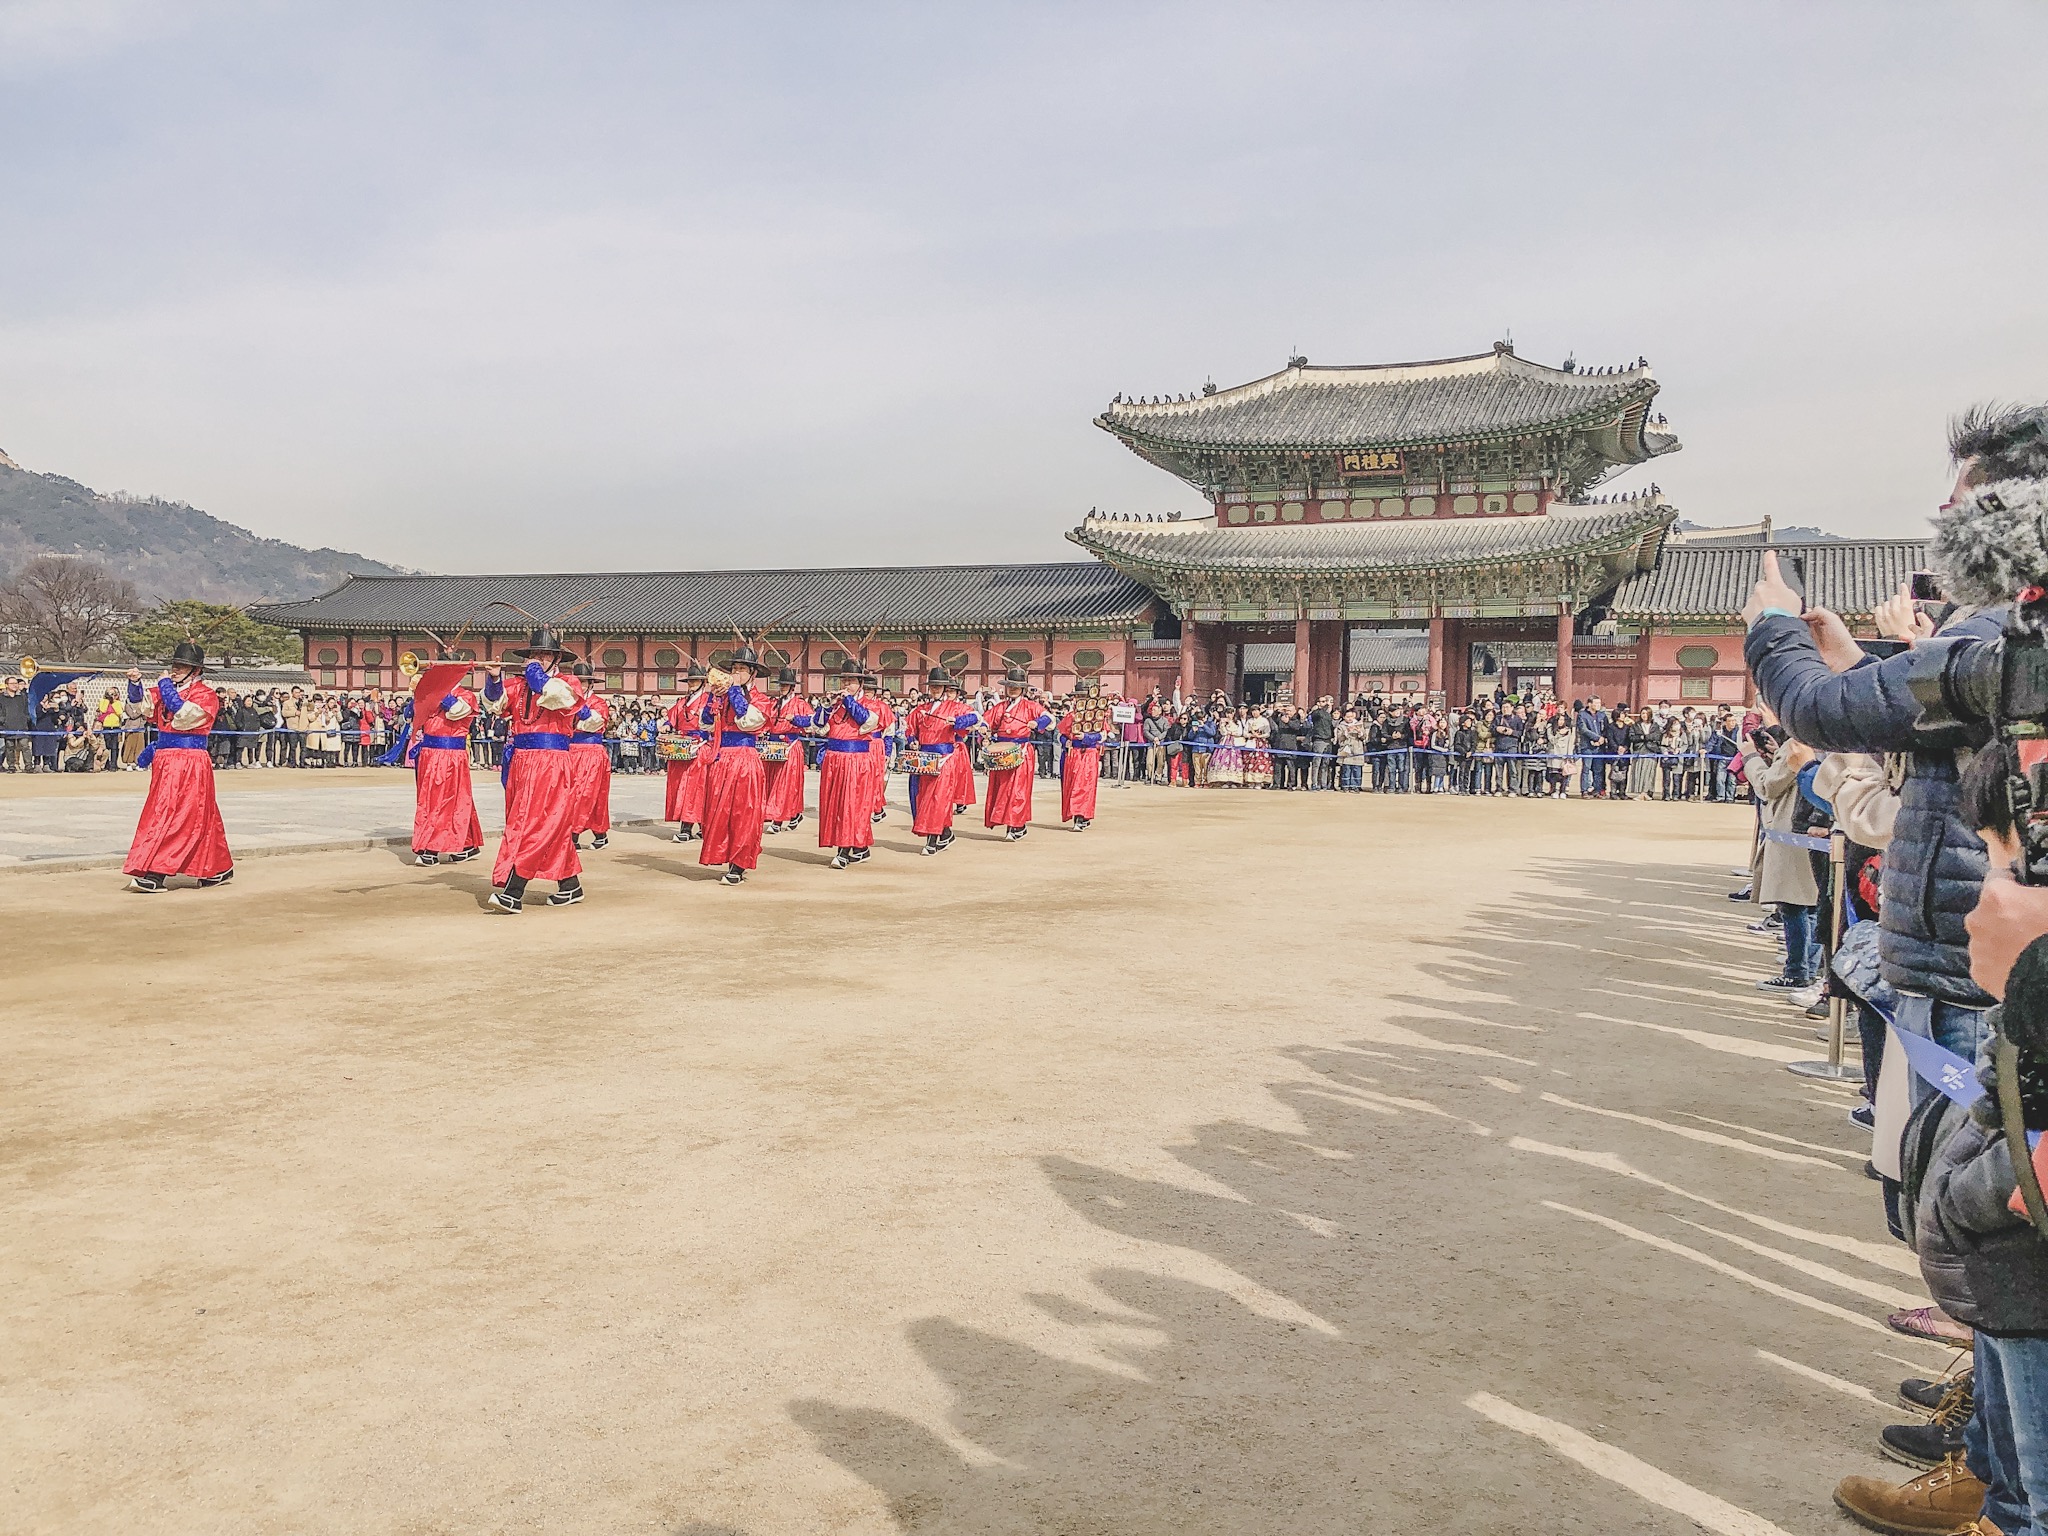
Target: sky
[(613, 286)]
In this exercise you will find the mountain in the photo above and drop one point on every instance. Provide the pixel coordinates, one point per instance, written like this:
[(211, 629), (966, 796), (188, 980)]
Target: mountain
[(169, 550)]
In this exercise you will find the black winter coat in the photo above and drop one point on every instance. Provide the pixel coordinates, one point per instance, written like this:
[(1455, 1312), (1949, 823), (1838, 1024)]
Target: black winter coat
[(1983, 1265), (1935, 864)]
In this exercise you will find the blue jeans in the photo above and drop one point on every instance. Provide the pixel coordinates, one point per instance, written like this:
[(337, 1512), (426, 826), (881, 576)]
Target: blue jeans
[(1957, 1028), (2006, 1440), (1802, 946), (1353, 774)]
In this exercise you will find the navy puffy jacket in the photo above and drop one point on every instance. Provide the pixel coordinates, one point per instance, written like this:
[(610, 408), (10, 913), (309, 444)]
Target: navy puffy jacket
[(1935, 864)]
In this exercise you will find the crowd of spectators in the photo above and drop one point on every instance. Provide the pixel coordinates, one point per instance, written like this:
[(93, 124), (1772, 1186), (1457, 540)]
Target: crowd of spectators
[(1912, 923), (1528, 745)]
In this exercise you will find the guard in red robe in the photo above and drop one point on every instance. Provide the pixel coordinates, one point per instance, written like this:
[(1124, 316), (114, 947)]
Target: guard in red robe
[(541, 814), (735, 782), (846, 798), (686, 780), (878, 768), (180, 832), (936, 727), (1080, 771), (790, 722), (444, 821), (1009, 789), (590, 762)]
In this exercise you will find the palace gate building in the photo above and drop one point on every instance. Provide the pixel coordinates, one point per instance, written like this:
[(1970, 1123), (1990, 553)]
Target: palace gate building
[(1415, 527)]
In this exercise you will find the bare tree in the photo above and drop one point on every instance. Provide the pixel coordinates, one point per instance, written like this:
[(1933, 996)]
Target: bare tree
[(66, 608)]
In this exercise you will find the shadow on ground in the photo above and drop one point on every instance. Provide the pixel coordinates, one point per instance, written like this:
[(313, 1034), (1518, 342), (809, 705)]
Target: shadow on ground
[(1398, 1258)]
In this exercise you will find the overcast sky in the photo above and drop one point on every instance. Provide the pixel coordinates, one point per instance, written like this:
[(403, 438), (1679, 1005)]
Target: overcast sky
[(597, 286)]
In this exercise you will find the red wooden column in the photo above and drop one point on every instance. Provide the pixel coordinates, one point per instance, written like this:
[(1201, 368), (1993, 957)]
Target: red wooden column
[(1435, 683), (1302, 657), (1564, 654), (1187, 658)]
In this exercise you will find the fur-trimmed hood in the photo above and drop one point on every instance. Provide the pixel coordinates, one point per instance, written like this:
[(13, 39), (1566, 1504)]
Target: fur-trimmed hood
[(1993, 542)]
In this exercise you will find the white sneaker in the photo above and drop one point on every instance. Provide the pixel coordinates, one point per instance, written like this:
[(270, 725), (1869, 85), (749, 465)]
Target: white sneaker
[(1805, 997)]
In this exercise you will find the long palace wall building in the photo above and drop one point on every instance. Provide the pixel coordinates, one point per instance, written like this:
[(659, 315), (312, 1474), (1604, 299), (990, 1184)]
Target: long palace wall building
[(1411, 528)]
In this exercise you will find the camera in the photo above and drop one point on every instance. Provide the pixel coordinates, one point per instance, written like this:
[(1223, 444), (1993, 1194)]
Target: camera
[(1970, 690), (1972, 693)]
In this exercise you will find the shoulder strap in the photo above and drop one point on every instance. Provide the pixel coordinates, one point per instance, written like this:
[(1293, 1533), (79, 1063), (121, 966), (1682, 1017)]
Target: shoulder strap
[(2007, 1057)]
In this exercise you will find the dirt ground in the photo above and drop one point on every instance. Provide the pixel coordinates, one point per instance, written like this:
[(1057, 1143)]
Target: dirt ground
[(1248, 1164)]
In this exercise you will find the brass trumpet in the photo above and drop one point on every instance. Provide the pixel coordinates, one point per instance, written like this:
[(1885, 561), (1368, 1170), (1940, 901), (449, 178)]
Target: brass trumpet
[(409, 663), (28, 667)]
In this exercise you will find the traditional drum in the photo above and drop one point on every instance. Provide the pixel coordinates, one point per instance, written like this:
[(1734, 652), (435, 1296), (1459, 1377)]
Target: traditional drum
[(679, 749), (773, 751), (926, 763), (1091, 712), (999, 755)]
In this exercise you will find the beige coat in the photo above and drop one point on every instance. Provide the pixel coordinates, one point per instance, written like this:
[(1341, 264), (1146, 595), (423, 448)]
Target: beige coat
[(1865, 803), (1780, 872)]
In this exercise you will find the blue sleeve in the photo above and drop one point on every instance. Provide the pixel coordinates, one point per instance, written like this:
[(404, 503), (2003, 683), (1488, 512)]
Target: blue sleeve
[(1045, 722), (167, 691), (801, 722), (856, 711), (536, 676), (494, 688), (966, 720), (1091, 739), (707, 715), (448, 702), (1868, 708), (583, 713), (738, 701)]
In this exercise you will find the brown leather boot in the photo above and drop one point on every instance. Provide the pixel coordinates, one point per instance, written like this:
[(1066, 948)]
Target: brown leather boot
[(1940, 1502)]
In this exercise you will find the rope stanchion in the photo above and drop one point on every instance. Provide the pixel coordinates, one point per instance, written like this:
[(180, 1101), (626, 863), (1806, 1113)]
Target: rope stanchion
[(1833, 1070)]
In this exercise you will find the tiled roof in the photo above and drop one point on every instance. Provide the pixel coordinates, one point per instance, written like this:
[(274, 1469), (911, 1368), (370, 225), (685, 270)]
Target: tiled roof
[(1494, 394), (968, 597), (1389, 650), (1199, 544), (1707, 581)]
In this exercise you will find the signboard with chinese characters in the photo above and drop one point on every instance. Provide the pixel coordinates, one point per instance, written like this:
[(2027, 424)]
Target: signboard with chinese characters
[(1370, 461)]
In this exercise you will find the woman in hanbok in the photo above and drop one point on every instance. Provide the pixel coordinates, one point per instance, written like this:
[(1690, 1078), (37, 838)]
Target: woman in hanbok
[(1258, 759), (1226, 763)]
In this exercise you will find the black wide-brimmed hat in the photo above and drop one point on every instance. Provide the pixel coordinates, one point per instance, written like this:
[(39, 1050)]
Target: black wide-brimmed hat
[(787, 677), (541, 642), (939, 677), (850, 667), (1016, 677), (694, 673), (188, 653), (745, 656), (582, 670)]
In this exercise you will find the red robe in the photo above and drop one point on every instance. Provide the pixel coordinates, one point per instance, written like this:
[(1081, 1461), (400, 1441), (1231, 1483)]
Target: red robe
[(937, 724), (845, 794), (682, 777), (590, 766), (735, 785), (444, 806), (792, 717), (1080, 769), (878, 784), (180, 831), (540, 801), (1009, 789)]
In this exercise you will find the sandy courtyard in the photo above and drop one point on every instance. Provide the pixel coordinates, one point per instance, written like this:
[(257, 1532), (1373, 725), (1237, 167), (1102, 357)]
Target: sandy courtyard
[(1254, 1163)]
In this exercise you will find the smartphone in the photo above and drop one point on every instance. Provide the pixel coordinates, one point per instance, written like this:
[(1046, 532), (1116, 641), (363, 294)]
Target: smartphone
[(1793, 569), (1927, 588)]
